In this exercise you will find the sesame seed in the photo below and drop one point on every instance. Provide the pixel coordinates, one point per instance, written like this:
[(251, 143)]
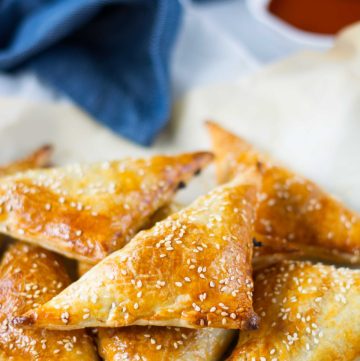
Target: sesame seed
[(65, 317)]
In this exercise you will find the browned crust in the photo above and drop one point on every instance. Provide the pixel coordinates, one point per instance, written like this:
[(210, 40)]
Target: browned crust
[(291, 207), (164, 343), (192, 270), (306, 310), (30, 276), (87, 212)]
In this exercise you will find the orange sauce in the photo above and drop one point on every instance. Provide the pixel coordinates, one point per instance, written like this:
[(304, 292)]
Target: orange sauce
[(317, 16)]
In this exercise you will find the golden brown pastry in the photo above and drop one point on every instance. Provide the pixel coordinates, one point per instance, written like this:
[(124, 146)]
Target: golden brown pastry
[(308, 313), (83, 267), (38, 159), (158, 216), (162, 343), (153, 343), (30, 276), (88, 211), (191, 270), (163, 213), (270, 250), (291, 207), (267, 250), (165, 343)]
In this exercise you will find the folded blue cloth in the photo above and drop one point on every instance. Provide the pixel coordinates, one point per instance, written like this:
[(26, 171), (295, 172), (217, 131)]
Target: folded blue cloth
[(110, 56)]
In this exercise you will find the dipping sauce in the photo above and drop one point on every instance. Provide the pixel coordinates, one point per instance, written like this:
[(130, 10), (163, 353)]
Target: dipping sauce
[(317, 16)]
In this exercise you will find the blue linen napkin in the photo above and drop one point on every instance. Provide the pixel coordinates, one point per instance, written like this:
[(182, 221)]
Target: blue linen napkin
[(110, 56)]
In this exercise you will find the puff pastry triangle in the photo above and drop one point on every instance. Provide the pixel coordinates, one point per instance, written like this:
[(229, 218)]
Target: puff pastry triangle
[(88, 211), (308, 312), (163, 343), (291, 208), (191, 270), (29, 276)]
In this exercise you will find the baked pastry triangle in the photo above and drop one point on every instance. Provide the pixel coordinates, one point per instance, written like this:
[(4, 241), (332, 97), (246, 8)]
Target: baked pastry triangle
[(38, 159), (88, 211), (30, 276), (163, 343), (291, 207), (308, 312), (191, 270)]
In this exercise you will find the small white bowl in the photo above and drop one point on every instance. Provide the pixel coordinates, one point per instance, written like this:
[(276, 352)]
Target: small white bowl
[(260, 10)]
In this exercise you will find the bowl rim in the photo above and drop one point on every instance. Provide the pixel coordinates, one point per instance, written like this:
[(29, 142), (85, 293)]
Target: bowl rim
[(259, 8)]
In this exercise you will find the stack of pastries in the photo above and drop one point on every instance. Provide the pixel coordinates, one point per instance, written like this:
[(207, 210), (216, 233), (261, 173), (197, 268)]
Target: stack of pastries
[(236, 275)]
